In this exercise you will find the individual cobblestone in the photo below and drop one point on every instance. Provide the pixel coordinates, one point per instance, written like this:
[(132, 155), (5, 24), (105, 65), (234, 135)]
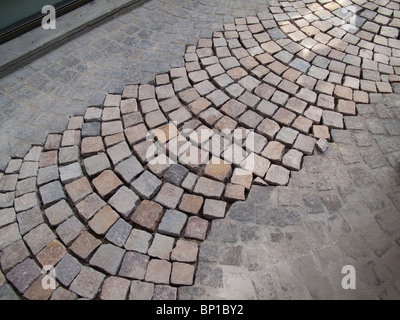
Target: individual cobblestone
[(87, 283), (69, 230), (84, 245), (172, 223), (196, 228), (169, 196), (161, 247), (39, 237), (67, 269), (58, 213), (148, 214), (119, 232), (114, 288), (146, 184), (22, 275), (139, 241), (124, 201), (134, 265), (108, 258), (158, 271)]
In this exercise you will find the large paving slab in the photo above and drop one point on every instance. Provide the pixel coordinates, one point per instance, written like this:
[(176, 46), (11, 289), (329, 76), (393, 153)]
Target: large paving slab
[(182, 148)]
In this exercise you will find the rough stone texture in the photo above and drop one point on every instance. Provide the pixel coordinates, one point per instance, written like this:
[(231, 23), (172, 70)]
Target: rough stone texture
[(69, 230), (161, 247), (158, 271), (176, 174), (182, 274), (62, 294), (129, 169), (88, 207), (87, 283), (58, 213), (169, 195), (37, 292), (172, 223), (7, 293), (214, 209), (96, 164), (103, 220), (274, 151), (209, 188), (277, 175), (148, 214), (305, 144), (119, 232), (108, 258), (70, 172), (146, 184), (52, 253), (134, 265), (292, 159), (162, 292), (84, 245), (106, 182), (218, 169), (23, 274), (114, 288), (191, 203), (124, 201), (139, 241), (141, 290), (39, 237), (185, 251), (51, 192), (196, 228), (78, 189), (13, 254), (25, 202), (67, 269), (288, 59)]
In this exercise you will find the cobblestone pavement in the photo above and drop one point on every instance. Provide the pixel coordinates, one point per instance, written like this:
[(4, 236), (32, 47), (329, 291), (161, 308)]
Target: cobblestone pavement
[(130, 48), (123, 199)]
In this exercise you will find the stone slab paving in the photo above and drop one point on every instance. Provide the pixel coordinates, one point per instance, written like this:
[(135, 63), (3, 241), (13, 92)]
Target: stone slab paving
[(133, 193)]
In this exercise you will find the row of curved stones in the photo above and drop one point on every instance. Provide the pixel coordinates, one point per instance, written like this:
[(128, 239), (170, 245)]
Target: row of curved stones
[(120, 202)]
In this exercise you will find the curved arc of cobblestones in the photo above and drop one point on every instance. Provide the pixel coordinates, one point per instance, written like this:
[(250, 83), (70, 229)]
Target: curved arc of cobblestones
[(262, 66)]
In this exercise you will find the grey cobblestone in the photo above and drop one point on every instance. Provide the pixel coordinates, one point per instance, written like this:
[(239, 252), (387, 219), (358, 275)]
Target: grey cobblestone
[(124, 201), (68, 155), (51, 192), (134, 265), (172, 223), (22, 275), (29, 219), (39, 237), (146, 185), (108, 258), (9, 235), (58, 213), (67, 269), (299, 229)]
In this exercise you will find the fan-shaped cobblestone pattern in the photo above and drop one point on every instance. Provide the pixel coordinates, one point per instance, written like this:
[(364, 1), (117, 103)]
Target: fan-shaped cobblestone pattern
[(121, 200)]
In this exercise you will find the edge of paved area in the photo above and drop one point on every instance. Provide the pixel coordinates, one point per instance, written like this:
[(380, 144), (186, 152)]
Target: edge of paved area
[(25, 46)]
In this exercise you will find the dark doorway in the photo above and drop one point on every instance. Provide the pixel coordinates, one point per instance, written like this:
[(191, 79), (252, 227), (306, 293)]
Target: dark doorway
[(19, 16)]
